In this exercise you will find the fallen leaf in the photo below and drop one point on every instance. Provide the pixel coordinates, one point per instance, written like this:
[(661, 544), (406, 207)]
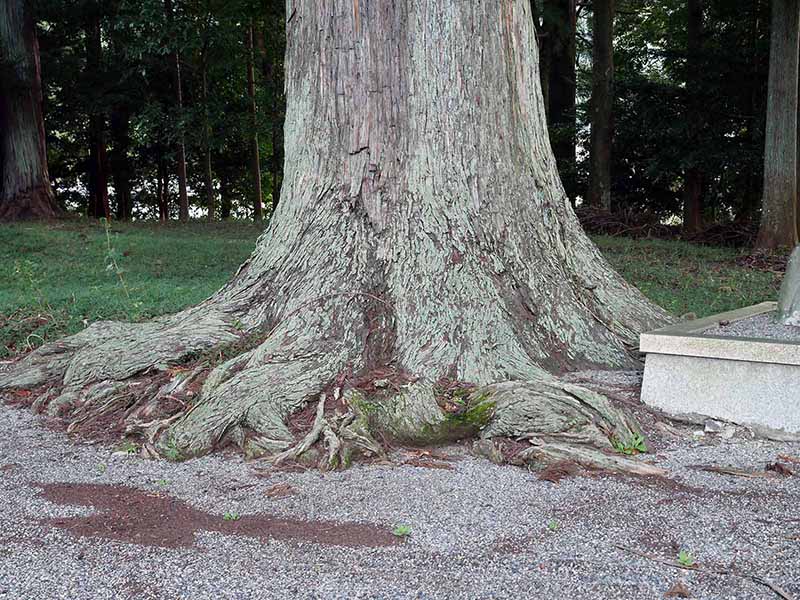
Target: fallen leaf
[(280, 490), (779, 469), (678, 590)]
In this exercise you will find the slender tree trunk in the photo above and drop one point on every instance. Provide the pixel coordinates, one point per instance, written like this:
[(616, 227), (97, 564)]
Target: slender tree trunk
[(779, 201), (255, 160), (424, 269), (559, 45), (601, 104), (693, 176), (97, 171), (183, 198), (120, 162), (25, 191), (277, 163), (208, 173), (163, 191), (751, 195), (225, 196)]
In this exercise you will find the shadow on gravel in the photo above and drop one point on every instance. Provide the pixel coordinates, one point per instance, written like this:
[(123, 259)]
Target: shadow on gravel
[(135, 516)]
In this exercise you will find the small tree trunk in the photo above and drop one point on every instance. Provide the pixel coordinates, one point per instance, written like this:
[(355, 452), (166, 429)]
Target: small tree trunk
[(163, 191), (225, 196), (183, 198), (779, 201), (208, 174), (559, 44), (255, 161), (601, 104), (120, 162), (693, 176), (25, 191), (97, 171)]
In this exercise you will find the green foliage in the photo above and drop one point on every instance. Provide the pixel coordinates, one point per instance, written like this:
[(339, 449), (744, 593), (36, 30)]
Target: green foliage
[(634, 445), (685, 558), (402, 530), (231, 516), (553, 525)]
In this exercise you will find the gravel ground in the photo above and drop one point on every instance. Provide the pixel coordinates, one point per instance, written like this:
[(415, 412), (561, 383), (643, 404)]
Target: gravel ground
[(478, 530), (758, 326)]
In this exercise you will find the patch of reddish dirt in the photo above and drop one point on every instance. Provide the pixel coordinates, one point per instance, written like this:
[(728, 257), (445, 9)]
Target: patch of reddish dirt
[(135, 516)]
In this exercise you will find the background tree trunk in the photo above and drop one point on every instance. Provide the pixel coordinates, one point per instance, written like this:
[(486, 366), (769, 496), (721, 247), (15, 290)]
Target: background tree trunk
[(601, 104), (97, 168), (693, 176), (121, 168), (183, 198), (423, 239), (255, 160), (779, 201), (208, 173), (25, 191), (558, 35)]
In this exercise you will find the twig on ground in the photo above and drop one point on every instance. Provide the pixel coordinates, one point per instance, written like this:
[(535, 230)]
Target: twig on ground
[(672, 563)]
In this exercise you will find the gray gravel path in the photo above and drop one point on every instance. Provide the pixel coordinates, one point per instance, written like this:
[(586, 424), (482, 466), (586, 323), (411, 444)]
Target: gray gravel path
[(759, 326), (478, 530)]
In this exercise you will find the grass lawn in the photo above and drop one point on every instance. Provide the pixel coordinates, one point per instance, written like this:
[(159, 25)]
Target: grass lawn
[(54, 278)]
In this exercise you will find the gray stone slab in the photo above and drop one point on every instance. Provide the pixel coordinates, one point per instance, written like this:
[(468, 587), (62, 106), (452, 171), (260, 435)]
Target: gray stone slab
[(750, 381), (751, 393)]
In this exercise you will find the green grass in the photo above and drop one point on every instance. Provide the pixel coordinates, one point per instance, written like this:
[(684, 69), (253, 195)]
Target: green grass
[(685, 278), (53, 278)]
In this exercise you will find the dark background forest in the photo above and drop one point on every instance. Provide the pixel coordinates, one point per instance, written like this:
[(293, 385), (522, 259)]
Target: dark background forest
[(173, 109)]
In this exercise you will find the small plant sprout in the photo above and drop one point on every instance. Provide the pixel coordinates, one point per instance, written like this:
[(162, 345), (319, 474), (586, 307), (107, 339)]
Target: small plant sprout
[(402, 530), (231, 516), (162, 482), (102, 468), (553, 525), (113, 257), (128, 447), (685, 558), (634, 445)]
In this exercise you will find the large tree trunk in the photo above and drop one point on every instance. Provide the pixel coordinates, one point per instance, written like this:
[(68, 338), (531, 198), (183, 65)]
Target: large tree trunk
[(601, 104), (25, 191), (779, 201), (255, 160), (424, 270), (558, 35)]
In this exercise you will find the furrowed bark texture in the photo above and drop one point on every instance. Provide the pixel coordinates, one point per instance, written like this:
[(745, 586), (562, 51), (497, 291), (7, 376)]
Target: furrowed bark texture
[(423, 238), (25, 191), (779, 201)]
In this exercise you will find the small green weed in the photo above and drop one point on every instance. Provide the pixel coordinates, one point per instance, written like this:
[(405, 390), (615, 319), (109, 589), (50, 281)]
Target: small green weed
[(128, 447), (102, 468), (402, 530), (635, 445), (685, 558), (231, 516), (553, 525), (171, 452)]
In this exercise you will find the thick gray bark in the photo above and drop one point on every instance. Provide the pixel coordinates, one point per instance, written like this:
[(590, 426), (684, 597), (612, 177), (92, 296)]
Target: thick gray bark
[(25, 191), (601, 103), (779, 201), (424, 253)]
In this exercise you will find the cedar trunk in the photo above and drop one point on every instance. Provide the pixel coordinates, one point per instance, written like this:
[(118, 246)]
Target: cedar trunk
[(424, 270), (25, 191), (601, 104), (779, 201)]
